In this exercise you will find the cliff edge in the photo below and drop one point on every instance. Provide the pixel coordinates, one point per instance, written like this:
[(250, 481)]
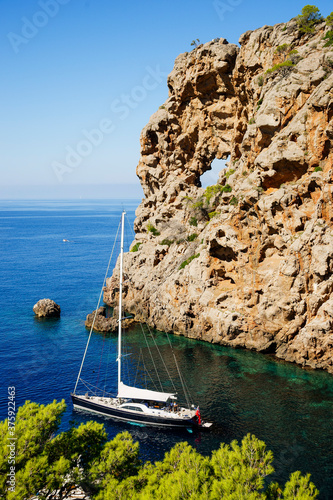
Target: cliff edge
[(247, 262)]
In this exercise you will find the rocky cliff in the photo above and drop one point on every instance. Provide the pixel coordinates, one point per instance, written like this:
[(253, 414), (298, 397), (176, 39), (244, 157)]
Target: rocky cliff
[(247, 262)]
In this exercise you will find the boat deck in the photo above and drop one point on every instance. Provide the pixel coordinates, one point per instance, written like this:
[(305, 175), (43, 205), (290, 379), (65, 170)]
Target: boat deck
[(141, 408)]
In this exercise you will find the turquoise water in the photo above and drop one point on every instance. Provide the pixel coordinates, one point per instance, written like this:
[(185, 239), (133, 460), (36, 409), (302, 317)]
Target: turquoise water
[(240, 391)]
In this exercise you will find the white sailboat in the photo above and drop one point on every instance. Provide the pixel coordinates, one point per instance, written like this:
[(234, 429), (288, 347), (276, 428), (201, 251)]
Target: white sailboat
[(133, 404)]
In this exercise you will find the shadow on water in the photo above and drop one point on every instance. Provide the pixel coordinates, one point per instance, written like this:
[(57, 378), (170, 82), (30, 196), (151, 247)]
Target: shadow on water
[(47, 323)]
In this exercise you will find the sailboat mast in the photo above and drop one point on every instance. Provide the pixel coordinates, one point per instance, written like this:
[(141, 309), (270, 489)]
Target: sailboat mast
[(120, 295)]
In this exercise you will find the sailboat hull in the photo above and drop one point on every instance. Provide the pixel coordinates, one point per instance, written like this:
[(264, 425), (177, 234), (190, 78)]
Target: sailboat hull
[(117, 413)]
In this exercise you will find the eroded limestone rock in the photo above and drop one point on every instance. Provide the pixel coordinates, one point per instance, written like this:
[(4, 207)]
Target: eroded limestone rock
[(101, 323), (249, 262)]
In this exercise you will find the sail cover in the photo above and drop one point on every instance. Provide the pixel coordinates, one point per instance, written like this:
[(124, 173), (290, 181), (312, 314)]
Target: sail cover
[(127, 392)]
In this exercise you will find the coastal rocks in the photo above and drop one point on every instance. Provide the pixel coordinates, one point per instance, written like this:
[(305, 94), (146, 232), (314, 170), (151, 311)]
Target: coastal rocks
[(104, 324), (248, 261), (47, 308)]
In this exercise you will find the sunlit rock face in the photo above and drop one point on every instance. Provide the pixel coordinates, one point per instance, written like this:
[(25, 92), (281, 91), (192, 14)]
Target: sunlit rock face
[(249, 261)]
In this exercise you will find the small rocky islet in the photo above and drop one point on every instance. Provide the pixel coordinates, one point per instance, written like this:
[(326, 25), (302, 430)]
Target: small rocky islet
[(248, 261), (47, 308)]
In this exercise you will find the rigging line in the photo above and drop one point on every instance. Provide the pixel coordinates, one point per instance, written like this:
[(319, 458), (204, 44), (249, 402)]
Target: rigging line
[(187, 390), (131, 226), (182, 380), (107, 364), (133, 236), (162, 359), (167, 276), (126, 347), (189, 398), (129, 234), (106, 368), (179, 373), (137, 367), (110, 343), (184, 385), (100, 361), (147, 372), (88, 385), (149, 350), (99, 301)]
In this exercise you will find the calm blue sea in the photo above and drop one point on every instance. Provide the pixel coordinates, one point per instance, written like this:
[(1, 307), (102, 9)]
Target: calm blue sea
[(289, 408)]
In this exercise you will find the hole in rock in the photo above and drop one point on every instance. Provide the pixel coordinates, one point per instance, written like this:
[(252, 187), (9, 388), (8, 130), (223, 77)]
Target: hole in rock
[(152, 136), (266, 251), (285, 171), (313, 186), (222, 252), (210, 177), (327, 149)]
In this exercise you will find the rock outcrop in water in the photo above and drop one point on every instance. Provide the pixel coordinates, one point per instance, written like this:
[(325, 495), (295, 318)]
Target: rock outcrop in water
[(100, 322), (47, 308), (247, 262)]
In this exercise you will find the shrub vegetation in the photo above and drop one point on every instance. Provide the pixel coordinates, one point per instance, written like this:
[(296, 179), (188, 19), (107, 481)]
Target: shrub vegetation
[(229, 172), (329, 19), (166, 241), (308, 19), (152, 229), (213, 214), (188, 261), (283, 50), (329, 39), (135, 248), (277, 67), (112, 470)]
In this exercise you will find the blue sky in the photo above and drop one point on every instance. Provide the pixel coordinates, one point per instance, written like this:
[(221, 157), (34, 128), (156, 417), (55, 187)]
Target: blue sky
[(80, 79)]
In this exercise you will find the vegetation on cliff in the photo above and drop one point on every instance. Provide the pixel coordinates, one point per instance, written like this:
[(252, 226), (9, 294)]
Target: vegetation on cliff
[(329, 35), (308, 19), (52, 466)]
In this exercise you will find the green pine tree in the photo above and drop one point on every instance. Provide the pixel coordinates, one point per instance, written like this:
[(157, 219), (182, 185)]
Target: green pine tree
[(308, 19), (46, 463)]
